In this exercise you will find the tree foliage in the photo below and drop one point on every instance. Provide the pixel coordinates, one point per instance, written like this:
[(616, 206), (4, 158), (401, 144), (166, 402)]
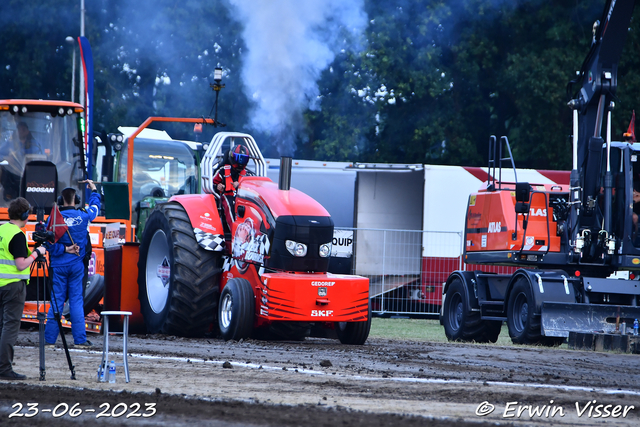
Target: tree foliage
[(430, 82)]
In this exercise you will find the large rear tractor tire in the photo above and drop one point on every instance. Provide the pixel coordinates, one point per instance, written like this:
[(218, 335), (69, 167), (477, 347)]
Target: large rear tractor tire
[(237, 310), (462, 324), (178, 280), (354, 333)]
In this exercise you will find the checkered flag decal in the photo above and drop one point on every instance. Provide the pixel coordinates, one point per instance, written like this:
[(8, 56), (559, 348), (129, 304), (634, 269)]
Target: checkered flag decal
[(226, 265), (209, 241), (264, 244)]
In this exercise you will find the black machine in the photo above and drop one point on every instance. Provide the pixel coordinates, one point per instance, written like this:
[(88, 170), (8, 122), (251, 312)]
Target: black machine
[(39, 187), (566, 286)]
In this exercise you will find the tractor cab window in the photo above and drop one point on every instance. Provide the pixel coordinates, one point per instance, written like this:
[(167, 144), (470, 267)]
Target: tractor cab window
[(160, 169), (37, 136)]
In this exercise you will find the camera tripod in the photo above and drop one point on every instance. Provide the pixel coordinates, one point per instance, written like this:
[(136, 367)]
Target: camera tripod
[(43, 276)]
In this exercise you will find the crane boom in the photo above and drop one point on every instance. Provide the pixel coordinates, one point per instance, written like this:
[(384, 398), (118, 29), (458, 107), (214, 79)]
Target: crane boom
[(598, 84)]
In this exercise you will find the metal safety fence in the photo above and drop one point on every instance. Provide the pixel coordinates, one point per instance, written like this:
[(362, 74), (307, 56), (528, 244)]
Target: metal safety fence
[(406, 268)]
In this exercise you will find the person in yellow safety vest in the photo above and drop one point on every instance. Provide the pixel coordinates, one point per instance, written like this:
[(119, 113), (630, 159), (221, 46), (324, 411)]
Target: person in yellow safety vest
[(15, 260)]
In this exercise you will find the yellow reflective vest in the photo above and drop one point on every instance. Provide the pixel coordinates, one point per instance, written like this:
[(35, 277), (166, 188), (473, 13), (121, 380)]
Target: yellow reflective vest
[(9, 273)]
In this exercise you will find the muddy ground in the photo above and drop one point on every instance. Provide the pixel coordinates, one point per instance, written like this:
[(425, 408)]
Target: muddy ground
[(318, 382)]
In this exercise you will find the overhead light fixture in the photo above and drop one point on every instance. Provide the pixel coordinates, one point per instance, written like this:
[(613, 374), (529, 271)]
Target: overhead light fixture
[(115, 137), (117, 141)]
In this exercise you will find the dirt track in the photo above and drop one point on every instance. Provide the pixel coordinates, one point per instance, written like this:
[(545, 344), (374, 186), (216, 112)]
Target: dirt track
[(320, 382)]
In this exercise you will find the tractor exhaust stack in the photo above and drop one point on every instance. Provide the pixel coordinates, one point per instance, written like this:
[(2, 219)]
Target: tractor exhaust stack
[(284, 181)]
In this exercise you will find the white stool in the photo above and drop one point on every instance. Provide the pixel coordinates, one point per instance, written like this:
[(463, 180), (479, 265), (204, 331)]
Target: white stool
[(125, 338)]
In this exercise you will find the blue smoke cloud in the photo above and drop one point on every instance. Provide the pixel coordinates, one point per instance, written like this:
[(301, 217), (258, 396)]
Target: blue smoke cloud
[(289, 43)]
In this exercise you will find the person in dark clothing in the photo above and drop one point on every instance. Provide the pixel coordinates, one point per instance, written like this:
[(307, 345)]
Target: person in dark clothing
[(67, 256), (15, 260), (227, 179), (28, 142)]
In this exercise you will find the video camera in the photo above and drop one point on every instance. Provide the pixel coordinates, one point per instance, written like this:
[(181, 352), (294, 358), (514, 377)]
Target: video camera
[(41, 235)]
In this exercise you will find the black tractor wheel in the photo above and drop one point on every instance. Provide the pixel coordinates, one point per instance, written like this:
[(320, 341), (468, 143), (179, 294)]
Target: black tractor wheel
[(461, 324), (354, 333), (93, 293), (237, 310), (178, 280), (524, 326)]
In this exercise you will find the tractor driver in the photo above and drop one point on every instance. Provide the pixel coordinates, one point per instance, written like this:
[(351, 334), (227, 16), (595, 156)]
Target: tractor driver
[(27, 141), (227, 177)]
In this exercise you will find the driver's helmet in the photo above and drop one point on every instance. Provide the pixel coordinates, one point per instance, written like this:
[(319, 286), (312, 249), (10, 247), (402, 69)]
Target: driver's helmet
[(239, 156)]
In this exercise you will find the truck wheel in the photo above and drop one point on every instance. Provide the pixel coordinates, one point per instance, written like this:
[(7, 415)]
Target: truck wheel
[(455, 315), (460, 324), (178, 281), (237, 310), (354, 333), (93, 293), (524, 327), (492, 330)]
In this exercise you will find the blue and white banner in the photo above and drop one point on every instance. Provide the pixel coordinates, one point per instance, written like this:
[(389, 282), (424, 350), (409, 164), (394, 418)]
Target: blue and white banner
[(87, 66)]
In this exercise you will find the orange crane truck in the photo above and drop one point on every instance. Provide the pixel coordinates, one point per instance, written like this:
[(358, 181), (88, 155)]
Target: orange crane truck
[(578, 246)]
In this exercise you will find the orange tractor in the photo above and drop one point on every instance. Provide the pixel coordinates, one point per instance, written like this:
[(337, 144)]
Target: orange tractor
[(36, 136), (190, 272)]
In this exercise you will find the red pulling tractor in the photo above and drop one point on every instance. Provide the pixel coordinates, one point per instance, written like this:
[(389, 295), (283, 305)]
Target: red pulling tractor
[(265, 274)]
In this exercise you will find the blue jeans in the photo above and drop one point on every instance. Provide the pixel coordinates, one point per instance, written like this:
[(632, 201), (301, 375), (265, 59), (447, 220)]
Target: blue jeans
[(67, 281)]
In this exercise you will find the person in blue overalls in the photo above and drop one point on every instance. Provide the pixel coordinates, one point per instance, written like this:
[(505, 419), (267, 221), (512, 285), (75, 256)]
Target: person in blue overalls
[(66, 256)]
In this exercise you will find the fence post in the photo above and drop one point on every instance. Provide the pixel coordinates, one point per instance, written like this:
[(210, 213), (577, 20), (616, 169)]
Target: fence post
[(384, 254), (462, 243)]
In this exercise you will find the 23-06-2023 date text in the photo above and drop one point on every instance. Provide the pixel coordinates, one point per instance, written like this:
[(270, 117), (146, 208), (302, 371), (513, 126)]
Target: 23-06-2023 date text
[(134, 410)]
